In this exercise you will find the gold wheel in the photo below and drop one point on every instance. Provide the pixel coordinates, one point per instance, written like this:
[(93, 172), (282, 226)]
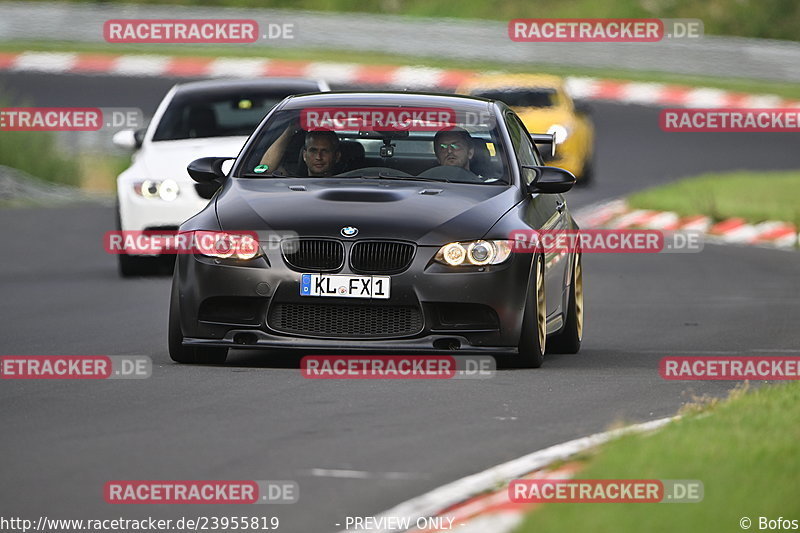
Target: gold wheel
[(541, 307), (578, 282)]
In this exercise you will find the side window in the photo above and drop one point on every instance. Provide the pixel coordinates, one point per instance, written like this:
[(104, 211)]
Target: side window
[(523, 146)]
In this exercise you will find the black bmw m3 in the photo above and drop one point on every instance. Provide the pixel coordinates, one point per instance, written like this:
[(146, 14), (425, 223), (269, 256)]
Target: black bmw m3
[(381, 222)]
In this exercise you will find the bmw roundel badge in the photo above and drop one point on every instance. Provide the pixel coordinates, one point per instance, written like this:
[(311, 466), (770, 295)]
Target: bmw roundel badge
[(349, 231)]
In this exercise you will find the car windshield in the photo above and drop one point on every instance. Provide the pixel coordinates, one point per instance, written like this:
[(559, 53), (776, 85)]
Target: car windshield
[(196, 115), (521, 97), (373, 142)]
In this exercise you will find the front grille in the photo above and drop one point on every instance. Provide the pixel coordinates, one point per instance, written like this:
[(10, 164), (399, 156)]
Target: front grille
[(353, 321), (313, 254), (381, 257)]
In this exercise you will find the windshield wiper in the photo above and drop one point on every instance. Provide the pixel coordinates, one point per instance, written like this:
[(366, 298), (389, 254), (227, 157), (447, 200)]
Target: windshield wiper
[(383, 176), (269, 175)]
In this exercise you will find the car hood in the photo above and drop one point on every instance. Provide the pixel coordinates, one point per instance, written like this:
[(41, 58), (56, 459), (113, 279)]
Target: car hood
[(538, 120), (168, 159), (424, 212)]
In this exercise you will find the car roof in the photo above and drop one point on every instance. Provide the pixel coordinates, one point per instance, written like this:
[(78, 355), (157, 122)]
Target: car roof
[(222, 86), (387, 98)]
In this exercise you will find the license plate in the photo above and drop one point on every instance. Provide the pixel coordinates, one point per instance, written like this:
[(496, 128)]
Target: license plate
[(345, 286)]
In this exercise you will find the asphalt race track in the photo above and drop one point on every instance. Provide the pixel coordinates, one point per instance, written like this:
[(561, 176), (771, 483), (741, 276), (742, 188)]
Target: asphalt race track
[(258, 418)]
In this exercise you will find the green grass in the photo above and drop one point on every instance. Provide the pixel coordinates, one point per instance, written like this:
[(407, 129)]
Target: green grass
[(786, 90), (35, 152), (755, 196), (775, 19), (745, 453)]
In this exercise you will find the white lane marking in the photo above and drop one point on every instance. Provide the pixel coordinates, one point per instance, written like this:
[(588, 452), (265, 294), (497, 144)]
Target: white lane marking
[(764, 101), (45, 61), (633, 218), (423, 77), (662, 220), (579, 87), (597, 214), (743, 233), (239, 68), (333, 72), (697, 223), (705, 97), (643, 93), (434, 502), (417, 77), (362, 474), (141, 65)]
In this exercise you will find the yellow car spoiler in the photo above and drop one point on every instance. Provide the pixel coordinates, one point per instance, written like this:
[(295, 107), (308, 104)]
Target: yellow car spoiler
[(545, 138)]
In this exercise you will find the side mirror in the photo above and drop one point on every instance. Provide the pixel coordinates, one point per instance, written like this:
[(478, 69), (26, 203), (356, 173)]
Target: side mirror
[(128, 139), (208, 169), (550, 180), (545, 139)]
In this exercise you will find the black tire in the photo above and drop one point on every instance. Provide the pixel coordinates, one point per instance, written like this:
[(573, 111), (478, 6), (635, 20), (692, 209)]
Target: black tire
[(130, 266), (188, 354), (570, 338), (533, 337)]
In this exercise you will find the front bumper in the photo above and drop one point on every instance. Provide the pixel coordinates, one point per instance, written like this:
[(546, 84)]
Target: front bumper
[(138, 214), (228, 304)]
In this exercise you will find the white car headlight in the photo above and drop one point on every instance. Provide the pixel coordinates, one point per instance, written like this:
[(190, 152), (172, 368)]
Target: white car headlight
[(474, 253), (559, 131), (167, 190)]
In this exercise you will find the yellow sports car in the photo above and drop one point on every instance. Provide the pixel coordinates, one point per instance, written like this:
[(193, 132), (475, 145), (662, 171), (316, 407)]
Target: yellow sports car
[(544, 105)]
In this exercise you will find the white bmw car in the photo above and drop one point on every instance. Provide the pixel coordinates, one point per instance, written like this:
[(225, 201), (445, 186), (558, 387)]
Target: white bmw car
[(196, 119)]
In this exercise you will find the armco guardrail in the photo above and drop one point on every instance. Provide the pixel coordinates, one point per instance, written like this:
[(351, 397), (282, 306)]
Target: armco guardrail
[(440, 38)]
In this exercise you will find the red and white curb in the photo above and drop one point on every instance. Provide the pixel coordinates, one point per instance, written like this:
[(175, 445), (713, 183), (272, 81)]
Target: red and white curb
[(477, 503), (616, 214), (411, 77)]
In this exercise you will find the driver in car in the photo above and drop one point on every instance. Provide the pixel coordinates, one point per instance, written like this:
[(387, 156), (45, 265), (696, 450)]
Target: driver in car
[(453, 148), (320, 152)]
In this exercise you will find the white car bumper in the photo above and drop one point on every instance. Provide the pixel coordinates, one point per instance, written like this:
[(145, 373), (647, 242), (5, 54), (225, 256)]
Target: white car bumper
[(138, 213)]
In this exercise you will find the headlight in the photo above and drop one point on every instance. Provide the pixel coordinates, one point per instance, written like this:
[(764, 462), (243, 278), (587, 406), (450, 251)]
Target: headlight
[(221, 245), (474, 253), (560, 132), (167, 190)]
